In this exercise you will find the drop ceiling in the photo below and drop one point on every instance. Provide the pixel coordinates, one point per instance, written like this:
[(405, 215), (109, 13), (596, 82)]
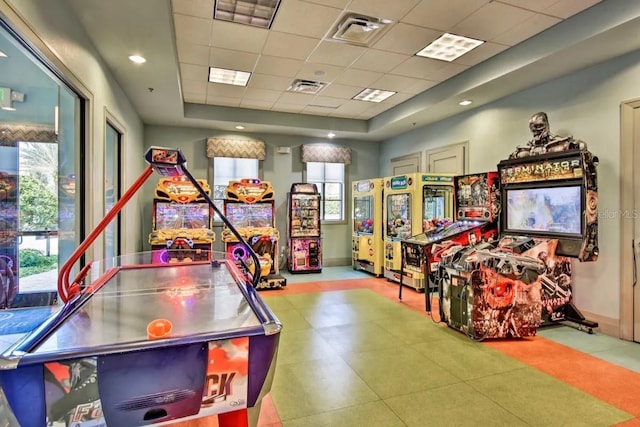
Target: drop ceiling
[(525, 43)]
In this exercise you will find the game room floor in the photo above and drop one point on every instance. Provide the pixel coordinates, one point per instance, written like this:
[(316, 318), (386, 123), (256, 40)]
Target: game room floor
[(352, 354)]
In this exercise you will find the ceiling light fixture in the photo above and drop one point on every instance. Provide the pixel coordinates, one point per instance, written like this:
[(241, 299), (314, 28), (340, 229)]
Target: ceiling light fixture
[(448, 47), (228, 77), (465, 102), (137, 59), (374, 95), (2, 54), (239, 127), (8, 108), (258, 13), (331, 135)]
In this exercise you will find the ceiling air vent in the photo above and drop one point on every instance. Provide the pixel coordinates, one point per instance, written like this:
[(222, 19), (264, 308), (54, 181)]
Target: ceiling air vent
[(361, 30), (306, 86)]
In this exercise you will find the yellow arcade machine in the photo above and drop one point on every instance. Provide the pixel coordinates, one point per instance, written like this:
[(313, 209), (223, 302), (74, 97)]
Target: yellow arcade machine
[(249, 206), (182, 221), (367, 240), (412, 203)]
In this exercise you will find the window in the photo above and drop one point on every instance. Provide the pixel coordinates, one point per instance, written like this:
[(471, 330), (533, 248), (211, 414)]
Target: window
[(226, 169), (329, 177)]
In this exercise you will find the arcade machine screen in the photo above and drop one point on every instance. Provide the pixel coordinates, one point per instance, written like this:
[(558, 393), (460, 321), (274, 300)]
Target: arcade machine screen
[(243, 215), (399, 216), (551, 210), (176, 216), (434, 205), (363, 214)]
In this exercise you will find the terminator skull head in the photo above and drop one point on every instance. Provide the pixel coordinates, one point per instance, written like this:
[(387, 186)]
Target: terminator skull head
[(539, 126)]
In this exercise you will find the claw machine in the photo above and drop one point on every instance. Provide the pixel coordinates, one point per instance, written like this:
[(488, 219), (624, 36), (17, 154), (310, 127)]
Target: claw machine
[(305, 243), (367, 241)]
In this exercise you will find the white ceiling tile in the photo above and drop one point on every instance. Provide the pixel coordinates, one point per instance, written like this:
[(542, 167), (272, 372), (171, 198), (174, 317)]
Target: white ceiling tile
[(278, 66), (491, 20), (194, 72), (232, 59), (230, 35), (224, 90), (536, 6), (261, 94), (190, 53), (266, 81), (387, 9), (295, 98), (394, 83), (354, 107), (407, 39), (326, 101), (449, 70), (339, 4), (287, 108), (195, 97), (336, 53), (335, 90), (192, 30), (224, 101), (481, 53), (532, 26), (317, 111), (194, 86), (358, 77), (566, 9), (289, 45), (288, 19), (419, 86), (442, 14), (398, 98), (256, 104), (417, 66), (379, 60), (198, 8), (319, 72)]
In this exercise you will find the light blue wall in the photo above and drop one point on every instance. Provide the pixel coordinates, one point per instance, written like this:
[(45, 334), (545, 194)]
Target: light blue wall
[(280, 169), (586, 105)]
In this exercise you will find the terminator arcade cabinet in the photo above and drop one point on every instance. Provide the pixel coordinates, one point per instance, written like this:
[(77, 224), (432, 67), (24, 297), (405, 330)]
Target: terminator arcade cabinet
[(367, 241), (477, 204), (249, 207), (182, 221), (412, 204), (304, 241)]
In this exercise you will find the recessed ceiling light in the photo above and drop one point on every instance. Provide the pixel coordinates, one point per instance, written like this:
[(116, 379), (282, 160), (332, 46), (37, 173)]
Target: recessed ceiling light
[(228, 77), (465, 102), (239, 127), (8, 108), (137, 59), (449, 47), (331, 135), (2, 54), (374, 95), (258, 13)]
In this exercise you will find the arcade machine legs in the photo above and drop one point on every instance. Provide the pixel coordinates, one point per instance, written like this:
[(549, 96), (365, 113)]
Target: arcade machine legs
[(572, 314)]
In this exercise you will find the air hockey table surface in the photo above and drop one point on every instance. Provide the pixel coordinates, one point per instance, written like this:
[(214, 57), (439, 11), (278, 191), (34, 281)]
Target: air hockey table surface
[(145, 344)]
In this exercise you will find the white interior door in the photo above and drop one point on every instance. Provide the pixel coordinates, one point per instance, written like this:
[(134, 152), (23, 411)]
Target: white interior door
[(406, 164), (449, 159)]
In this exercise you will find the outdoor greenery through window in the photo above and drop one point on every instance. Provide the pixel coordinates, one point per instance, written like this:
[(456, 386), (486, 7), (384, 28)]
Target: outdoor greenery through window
[(329, 177), (226, 169)]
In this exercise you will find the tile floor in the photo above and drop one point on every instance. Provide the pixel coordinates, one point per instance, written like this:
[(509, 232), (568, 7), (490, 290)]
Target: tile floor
[(352, 356)]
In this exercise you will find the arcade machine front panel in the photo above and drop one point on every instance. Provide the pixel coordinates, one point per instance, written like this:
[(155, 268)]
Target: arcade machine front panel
[(367, 241), (476, 205), (250, 207), (182, 221), (304, 239)]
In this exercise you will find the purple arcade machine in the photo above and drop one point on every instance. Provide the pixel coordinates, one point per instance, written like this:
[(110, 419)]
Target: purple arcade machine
[(143, 343), (304, 253)]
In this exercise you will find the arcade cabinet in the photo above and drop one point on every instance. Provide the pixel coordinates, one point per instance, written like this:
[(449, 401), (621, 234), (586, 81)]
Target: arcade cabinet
[(367, 240), (413, 203), (145, 343), (304, 242), (249, 206), (477, 204), (182, 221)]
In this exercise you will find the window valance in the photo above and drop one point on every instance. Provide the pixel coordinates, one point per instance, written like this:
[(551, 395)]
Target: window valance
[(10, 134), (239, 148), (326, 153)]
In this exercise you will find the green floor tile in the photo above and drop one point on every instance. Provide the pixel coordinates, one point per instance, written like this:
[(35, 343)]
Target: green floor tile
[(373, 414), (292, 320), (303, 346), (361, 336)]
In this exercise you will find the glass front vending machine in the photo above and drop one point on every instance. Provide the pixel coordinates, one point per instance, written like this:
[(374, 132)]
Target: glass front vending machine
[(367, 240), (304, 240)]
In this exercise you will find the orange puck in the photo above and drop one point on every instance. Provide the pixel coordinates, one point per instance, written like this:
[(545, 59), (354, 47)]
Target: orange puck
[(159, 328)]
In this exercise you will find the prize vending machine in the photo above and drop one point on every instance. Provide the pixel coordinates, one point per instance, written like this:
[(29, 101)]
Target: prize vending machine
[(476, 200), (412, 204), (367, 240), (305, 242), (182, 221), (249, 206)]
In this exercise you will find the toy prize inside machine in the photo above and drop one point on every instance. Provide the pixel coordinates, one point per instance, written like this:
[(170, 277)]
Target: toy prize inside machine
[(367, 226), (550, 214), (182, 221), (413, 204), (249, 207), (305, 243), (475, 199)]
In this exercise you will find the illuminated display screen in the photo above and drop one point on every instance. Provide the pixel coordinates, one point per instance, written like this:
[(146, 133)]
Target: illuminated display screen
[(243, 215), (170, 216), (548, 210)]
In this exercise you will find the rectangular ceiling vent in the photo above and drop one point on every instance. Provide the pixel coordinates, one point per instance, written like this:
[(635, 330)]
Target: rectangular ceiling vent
[(309, 87), (360, 29)]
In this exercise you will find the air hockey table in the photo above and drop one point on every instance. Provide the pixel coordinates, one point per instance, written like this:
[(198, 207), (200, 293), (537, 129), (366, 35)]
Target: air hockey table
[(138, 342)]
